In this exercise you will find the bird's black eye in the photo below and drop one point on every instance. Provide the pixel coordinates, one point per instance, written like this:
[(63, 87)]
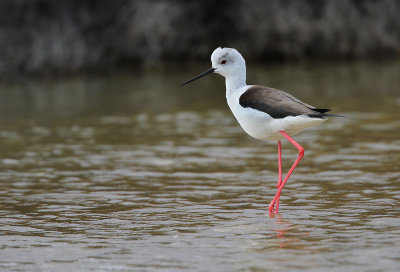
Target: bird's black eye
[(223, 61)]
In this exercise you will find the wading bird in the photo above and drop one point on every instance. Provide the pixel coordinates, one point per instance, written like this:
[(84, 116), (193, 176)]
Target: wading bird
[(264, 113)]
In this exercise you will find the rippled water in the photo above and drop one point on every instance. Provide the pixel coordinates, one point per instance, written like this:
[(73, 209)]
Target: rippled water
[(134, 173)]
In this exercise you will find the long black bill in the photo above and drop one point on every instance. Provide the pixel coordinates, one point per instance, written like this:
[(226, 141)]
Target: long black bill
[(199, 76)]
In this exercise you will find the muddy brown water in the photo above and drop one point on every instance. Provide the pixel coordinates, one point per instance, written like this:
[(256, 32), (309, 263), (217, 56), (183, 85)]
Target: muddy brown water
[(131, 172)]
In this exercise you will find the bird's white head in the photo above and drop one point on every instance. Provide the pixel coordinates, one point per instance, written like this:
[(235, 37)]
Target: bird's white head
[(229, 63)]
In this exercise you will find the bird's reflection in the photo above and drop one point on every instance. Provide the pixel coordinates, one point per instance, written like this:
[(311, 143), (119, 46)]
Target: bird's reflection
[(283, 227), (288, 233)]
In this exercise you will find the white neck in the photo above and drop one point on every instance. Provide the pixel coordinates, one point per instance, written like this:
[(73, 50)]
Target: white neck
[(236, 81)]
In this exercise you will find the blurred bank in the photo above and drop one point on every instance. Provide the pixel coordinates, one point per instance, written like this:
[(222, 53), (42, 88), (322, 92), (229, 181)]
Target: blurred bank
[(57, 37)]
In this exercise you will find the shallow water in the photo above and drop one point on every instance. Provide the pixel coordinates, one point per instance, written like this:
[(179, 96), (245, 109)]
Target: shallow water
[(131, 172)]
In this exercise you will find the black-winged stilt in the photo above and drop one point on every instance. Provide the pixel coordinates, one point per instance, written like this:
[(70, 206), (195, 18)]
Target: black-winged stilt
[(264, 113)]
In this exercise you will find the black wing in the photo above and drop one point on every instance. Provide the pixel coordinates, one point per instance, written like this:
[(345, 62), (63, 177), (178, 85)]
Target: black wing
[(277, 103)]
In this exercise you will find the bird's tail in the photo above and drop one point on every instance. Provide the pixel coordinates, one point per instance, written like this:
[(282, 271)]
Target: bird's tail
[(335, 115), (322, 115)]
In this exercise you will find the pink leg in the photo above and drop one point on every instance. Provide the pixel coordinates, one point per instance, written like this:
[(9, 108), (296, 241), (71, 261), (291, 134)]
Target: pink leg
[(280, 172), (278, 193)]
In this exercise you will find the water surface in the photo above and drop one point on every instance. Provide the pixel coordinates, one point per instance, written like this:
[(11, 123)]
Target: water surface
[(131, 172)]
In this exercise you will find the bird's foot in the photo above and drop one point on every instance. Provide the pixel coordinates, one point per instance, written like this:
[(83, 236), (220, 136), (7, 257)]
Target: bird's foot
[(271, 208)]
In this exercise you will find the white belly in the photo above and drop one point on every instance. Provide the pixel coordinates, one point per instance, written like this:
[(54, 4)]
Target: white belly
[(262, 126)]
